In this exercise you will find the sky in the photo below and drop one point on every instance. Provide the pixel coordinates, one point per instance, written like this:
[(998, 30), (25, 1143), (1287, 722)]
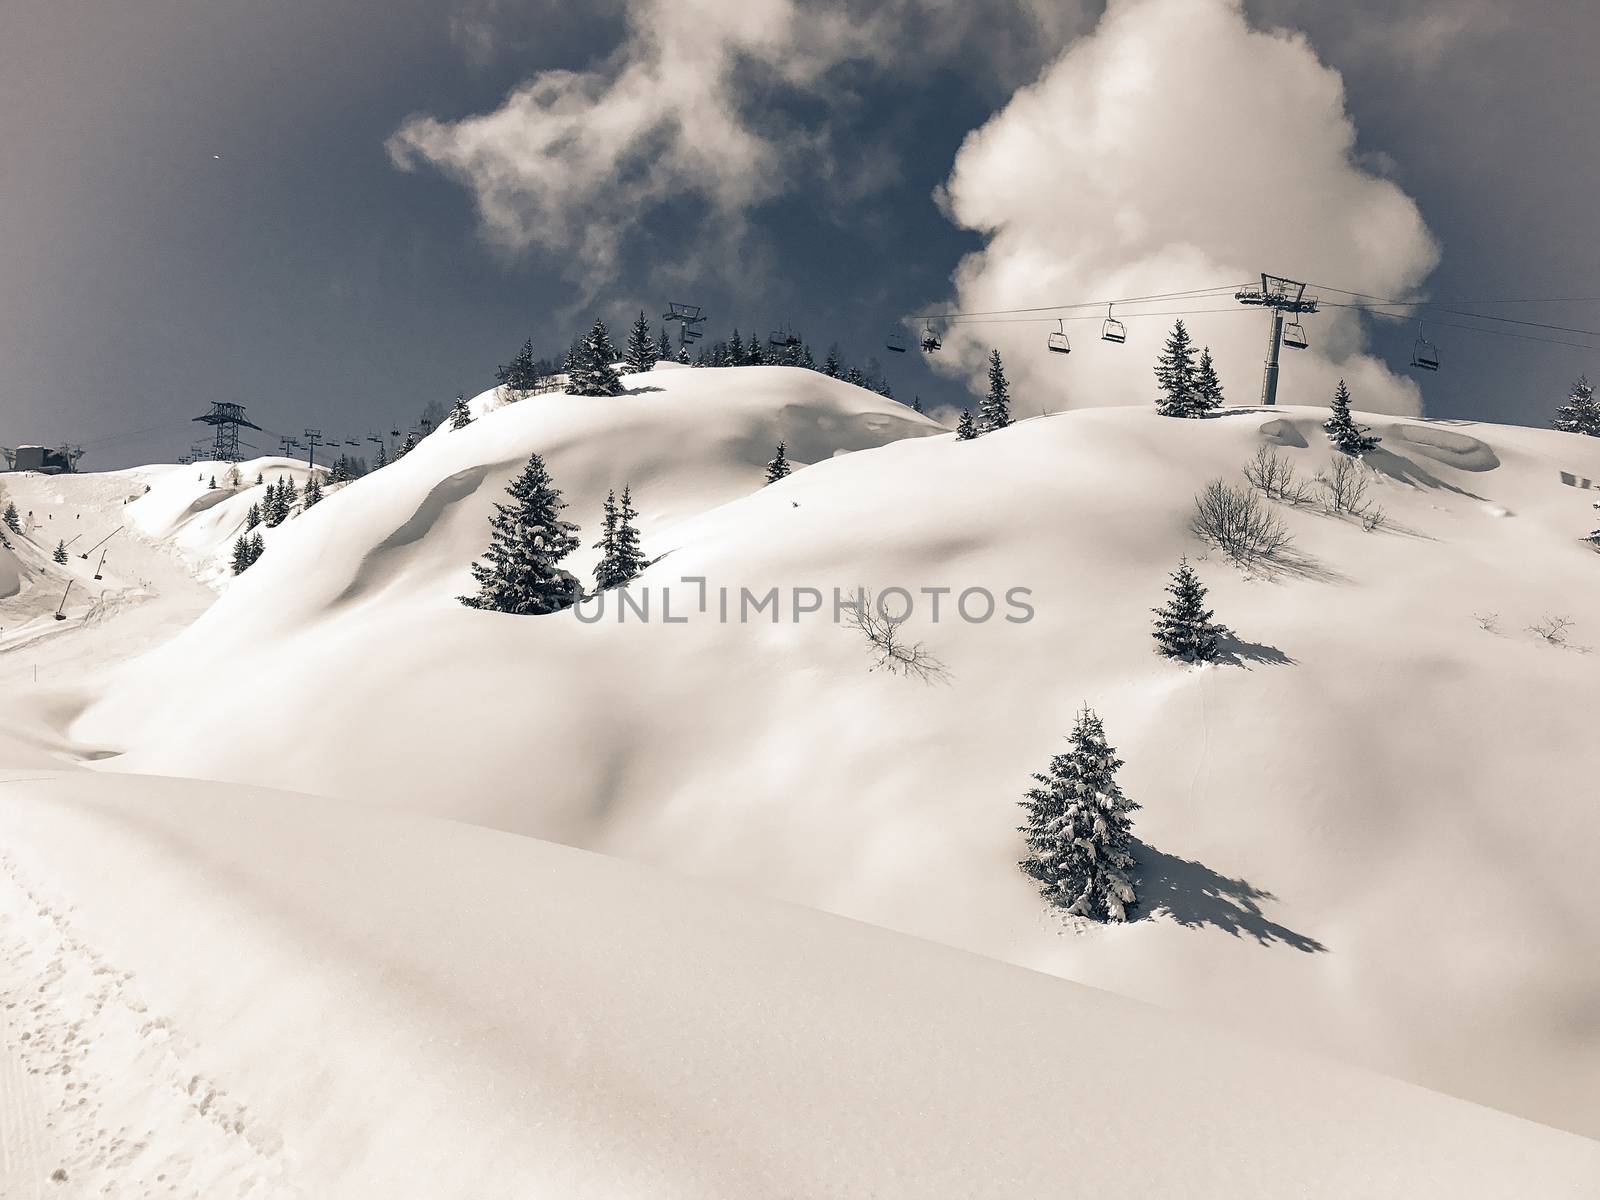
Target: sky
[(337, 220)]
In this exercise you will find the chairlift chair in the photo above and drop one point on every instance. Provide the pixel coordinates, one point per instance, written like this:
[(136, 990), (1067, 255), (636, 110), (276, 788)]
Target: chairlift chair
[(896, 341), (1424, 355), (930, 339), (1057, 342), (1294, 336), (1113, 330)]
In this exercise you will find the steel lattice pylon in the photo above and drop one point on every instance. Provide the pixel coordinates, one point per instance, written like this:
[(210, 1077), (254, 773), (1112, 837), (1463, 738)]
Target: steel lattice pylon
[(226, 418)]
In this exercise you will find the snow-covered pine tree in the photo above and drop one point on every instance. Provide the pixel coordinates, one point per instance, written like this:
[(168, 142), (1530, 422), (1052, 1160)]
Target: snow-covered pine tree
[(1207, 387), (663, 347), (382, 459), (856, 376), (460, 414), (60, 553), (1079, 829), (806, 360), (735, 350), (1175, 375), (754, 355), (520, 572), (595, 373), (604, 574), (1581, 412), (339, 474), (831, 365), (260, 478), (641, 352), (995, 412), (257, 547), (916, 403), (683, 355), (13, 522), (273, 509), (406, 446), (965, 429), (290, 494), (630, 558), (1183, 626), (241, 554), (1347, 437), (212, 486), (518, 377), (313, 495), (252, 518), (779, 467)]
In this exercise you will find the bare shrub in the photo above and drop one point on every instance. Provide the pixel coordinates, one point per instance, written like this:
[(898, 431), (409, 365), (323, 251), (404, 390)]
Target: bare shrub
[(1344, 486), (1374, 518), (893, 651), (1551, 629), (1488, 622), (1273, 475), (1235, 520)]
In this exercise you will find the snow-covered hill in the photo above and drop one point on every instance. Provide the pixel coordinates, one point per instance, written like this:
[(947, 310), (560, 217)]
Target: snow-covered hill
[(227, 991), (1371, 833)]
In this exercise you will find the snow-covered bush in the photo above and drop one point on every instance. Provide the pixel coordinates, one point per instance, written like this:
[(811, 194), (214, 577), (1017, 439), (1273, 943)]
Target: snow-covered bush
[(1274, 476), (1237, 522)]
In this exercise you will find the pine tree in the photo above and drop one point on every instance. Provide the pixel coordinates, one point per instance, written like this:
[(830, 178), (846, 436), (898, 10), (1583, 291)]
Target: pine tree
[(290, 495), (754, 355), (641, 352), (965, 429), (405, 447), (212, 486), (806, 360), (995, 412), (856, 376), (1183, 627), (607, 545), (260, 478), (1207, 387), (593, 374), (830, 365), (13, 522), (1079, 828), (520, 572), (779, 467), (314, 489), (663, 348), (234, 479), (241, 554), (1581, 412), (382, 460), (735, 350), (620, 556), (519, 376), (683, 355), (272, 507), (60, 553), (1175, 373), (460, 414), (1346, 436), (252, 518), (916, 403), (257, 547)]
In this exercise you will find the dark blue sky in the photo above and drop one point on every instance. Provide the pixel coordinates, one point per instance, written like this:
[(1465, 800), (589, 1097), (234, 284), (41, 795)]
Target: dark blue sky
[(303, 274)]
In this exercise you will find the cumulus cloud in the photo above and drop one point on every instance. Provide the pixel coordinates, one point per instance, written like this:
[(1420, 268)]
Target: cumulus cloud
[(1177, 148), (682, 114)]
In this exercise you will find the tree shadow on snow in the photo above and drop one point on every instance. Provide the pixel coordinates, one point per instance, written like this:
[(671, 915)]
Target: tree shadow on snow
[(1388, 463), (1234, 651), (1289, 563), (1195, 896), (642, 389)]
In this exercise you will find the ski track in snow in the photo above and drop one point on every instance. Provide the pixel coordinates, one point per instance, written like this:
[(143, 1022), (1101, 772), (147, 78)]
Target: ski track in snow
[(98, 1094)]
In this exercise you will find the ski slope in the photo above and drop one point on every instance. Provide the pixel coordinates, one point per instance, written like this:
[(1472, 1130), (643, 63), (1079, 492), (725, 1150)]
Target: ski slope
[(224, 991)]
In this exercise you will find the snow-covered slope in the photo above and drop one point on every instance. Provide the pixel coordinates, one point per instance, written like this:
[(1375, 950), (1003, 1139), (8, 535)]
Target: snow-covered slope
[(1372, 833), (213, 992)]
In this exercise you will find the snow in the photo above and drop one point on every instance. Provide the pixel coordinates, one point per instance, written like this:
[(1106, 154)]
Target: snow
[(1366, 835), (314, 998)]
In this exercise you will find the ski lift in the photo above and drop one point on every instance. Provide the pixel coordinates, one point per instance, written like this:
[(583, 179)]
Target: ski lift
[(1057, 342), (394, 433), (1113, 330), (1294, 336), (783, 337), (896, 341), (352, 442), (1424, 355), (930, 339)]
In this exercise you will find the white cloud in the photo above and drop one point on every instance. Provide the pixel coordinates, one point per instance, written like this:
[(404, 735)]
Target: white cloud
[(1175, 148)]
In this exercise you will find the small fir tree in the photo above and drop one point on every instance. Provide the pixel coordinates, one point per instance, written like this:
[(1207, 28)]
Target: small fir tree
[(460, 414), (620, 556), (290, 494), (594, 372), (754, 355), (607, 545), (1581, 412), (830, 365), (382, 459), (313, 495), (252, 518), (735, 350), (234, 479), (778, 468), (663, 347), (1347, 437), (12, 520), (965, 429), (60, 553), (683, 355), (272, 508), (520, 572), (519, 376), (641, 352), (212, 486), (241, 554), (1183, 626), (260, 478), (1175, 375), (1079, 829), (257, 547), (995, 412), (856, 376), (406, 446), (1207, 387)]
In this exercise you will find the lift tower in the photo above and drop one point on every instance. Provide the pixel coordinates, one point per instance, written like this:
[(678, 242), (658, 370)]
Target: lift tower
[(227, 419), (1281, 296)]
